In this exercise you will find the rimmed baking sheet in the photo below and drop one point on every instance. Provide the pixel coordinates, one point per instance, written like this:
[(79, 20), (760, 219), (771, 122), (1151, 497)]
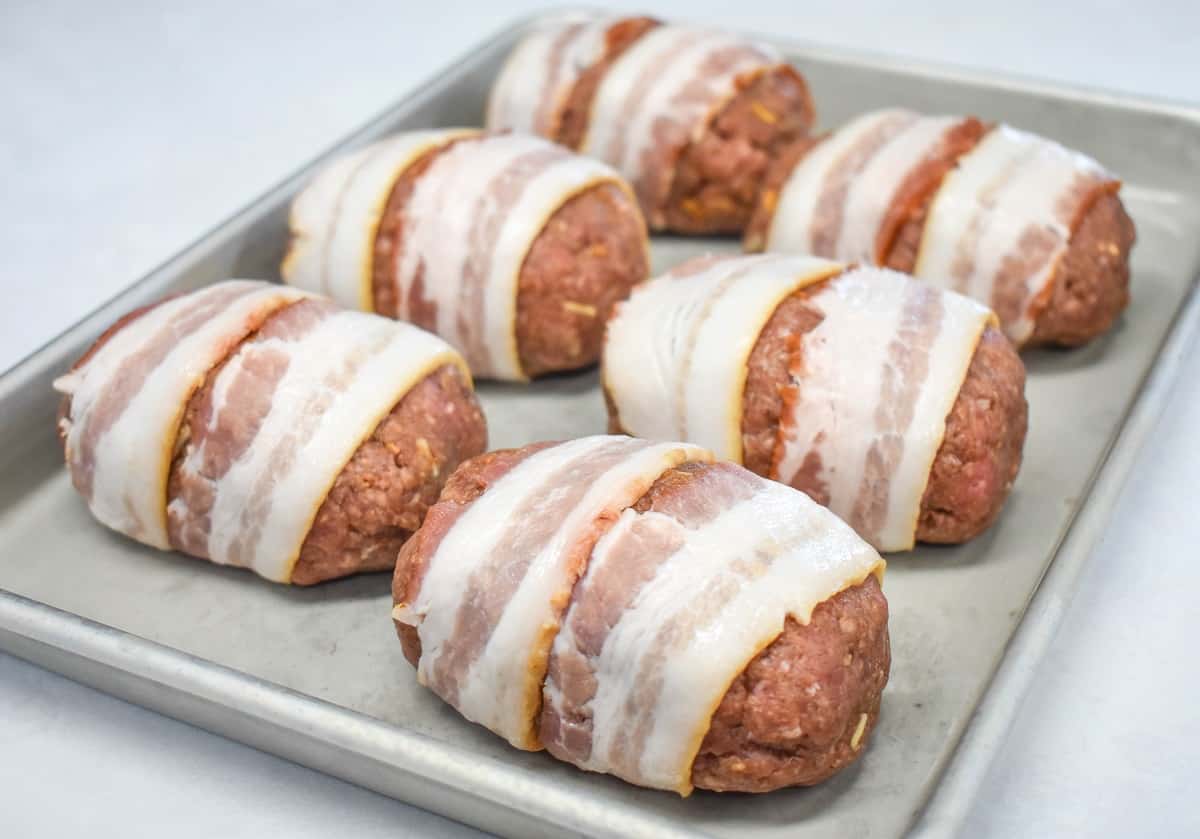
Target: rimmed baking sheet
[(316, 675)]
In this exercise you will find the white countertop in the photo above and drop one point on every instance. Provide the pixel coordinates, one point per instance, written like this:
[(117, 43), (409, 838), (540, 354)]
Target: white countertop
[(128, 130)]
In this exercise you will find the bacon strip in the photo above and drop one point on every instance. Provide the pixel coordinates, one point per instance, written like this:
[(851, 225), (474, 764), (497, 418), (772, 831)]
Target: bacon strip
[(674, 604), (659, 96), (879, 375), (289, 409), (1002, 221), (531, 92), (920, 183), (128, 398), (840, 199), (493, 593), (881, 184), (675, 353), (830, 222), (473, 215), (996, 229), (335, 219)]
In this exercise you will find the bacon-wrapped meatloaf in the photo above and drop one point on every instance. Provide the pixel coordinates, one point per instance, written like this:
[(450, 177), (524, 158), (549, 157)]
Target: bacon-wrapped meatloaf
[(690, 116), (1034, 230), (897, 404), (638, 609), (511, 248), (258, 426)]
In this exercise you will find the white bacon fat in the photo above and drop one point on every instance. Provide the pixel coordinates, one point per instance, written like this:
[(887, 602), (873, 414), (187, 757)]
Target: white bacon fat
[(995, 230), (529, 95), (471, 218), (1014, 198), (550, 593), (660, 95), (675, 353), (128, 398), (335, 219), (879, 374)]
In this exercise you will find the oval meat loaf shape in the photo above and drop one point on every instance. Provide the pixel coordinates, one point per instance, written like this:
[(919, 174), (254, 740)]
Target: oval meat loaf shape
[(638, 609), (1034, 230), (511, 248), (898, 405), (690, 116), (259, 426)]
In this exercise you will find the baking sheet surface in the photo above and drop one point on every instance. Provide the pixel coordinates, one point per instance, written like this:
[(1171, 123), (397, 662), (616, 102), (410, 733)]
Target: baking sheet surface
[(953, 610)]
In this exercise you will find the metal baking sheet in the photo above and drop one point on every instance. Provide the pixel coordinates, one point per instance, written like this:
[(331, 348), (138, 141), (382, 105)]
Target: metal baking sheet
[(316, 675)]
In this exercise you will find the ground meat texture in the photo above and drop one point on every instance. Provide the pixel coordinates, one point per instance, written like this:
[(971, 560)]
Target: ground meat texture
[(1090, 288), (805, 707), (981, 451), (383, 492), (588, 256), (799, 712), (767, 378), (573, 123), (718, 177), (776, 175)]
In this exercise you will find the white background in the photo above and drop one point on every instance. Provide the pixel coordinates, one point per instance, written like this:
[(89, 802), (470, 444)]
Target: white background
[(128, 129)]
